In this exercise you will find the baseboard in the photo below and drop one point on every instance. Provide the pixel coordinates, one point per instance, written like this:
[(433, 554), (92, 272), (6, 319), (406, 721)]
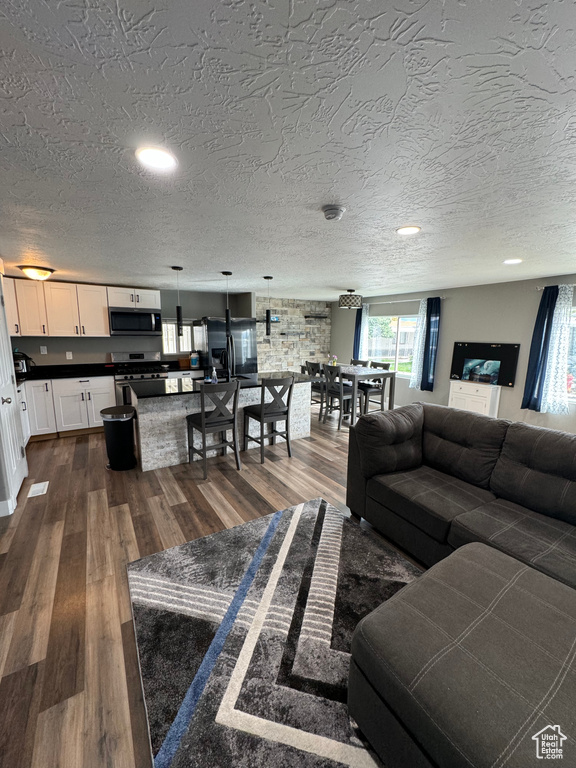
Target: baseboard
[(68, 433)]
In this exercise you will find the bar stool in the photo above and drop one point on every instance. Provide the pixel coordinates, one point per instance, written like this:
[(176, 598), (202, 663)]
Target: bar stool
[(318, 385), (335, 390), (278, 409), (219, 419)]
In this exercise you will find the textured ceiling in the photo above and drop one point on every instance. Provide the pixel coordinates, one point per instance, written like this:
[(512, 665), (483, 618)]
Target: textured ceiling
[(459, 116)]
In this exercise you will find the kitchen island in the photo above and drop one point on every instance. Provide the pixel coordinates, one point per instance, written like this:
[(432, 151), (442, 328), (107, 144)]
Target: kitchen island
[(163, 404)]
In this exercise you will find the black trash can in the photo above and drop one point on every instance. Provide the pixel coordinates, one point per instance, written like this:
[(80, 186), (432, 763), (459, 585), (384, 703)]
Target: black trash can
[(119, 433)]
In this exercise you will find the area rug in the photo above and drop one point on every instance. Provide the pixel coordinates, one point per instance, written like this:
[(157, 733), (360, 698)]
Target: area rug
[(244, 638)]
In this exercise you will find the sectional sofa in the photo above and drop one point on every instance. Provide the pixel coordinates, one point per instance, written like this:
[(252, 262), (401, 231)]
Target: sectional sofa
[(473, 664), (433, 478)]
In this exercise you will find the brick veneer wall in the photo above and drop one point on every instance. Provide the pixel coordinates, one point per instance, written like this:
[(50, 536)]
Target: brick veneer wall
[(295, 338)]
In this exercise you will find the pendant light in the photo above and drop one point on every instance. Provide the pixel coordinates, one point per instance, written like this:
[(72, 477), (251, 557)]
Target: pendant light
[(268, 318), (350, 300), (178, 307), (228, 323)]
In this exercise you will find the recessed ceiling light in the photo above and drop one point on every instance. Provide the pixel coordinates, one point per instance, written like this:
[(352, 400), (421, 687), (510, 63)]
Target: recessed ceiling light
[(408, 230), (156, 158), (512, 261)]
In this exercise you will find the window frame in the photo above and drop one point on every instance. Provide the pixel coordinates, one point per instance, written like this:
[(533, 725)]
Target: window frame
[(179, 350)]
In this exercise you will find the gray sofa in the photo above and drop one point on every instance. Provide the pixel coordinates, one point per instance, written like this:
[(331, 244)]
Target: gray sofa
[(474, 661), (433, 478)]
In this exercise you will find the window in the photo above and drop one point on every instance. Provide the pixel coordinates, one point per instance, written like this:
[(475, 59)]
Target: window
[(391, 340), (172, 344)]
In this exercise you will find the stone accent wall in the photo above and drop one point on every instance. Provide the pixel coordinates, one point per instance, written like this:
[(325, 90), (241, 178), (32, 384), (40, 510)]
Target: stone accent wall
[(295, 338)]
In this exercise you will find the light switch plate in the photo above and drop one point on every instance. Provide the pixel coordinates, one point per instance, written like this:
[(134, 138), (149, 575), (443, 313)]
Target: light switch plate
[(68, 355), (43, 350)]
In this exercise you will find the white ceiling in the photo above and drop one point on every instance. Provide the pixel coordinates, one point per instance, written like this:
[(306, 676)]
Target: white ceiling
[(459, 116)]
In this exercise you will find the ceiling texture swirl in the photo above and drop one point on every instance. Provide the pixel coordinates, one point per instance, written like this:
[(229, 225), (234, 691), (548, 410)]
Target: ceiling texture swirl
[(458, 116)]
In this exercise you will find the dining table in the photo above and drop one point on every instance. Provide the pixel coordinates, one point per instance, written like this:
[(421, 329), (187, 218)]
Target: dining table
[(356, 373)]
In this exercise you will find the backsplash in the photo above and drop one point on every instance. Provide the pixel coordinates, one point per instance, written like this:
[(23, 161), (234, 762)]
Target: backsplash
[(297, 337)]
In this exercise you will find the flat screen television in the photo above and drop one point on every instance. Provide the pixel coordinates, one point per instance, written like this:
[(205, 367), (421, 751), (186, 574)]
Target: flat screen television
[(485, 363)]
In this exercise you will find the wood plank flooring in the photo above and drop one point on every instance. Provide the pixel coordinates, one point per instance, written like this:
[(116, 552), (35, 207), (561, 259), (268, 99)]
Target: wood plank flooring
[(70, 694)]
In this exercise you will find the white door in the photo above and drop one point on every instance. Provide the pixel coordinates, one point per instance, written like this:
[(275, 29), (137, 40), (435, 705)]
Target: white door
[(93, 308), (70, 404), (62, 309), (121, 297), (11, 307), (31, 307), (40, 406), (146, 299), (13, 465), (101, 394)]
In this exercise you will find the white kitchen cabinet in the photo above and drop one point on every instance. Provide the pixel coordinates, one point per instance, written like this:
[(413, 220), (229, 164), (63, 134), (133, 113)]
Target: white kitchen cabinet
[(62, 309), (11, 307), (133, 298), (40, 406), (31, 307), (23, 406), (478, 398), (78, 402), (93, 310)]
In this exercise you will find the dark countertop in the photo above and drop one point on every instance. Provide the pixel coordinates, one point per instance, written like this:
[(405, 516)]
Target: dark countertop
[(83, 370), (165, 387)]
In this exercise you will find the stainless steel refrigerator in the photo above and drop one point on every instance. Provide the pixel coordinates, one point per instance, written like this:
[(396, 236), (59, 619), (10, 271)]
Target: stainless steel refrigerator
[(236, 354)]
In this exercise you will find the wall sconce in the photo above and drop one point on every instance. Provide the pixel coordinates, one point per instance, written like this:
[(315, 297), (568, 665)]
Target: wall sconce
[(37, 273)]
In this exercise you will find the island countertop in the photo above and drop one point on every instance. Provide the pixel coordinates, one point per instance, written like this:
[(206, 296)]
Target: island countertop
[(166, 387), (162, 406)]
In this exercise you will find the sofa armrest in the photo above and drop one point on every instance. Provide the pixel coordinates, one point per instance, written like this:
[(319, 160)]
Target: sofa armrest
[(356, 482), (389, 441)]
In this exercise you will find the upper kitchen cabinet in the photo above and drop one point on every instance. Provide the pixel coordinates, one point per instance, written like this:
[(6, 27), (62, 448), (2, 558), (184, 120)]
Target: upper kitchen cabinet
[(62, 309), (76, 310), (11, 307), (134, 298), (93, 310), (31, 308)]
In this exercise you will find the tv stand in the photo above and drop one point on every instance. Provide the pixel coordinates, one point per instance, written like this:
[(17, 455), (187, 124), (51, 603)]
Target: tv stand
[(478, 398)]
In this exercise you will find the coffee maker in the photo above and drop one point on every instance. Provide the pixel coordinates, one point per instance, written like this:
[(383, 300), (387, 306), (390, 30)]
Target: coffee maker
[(22, 362)]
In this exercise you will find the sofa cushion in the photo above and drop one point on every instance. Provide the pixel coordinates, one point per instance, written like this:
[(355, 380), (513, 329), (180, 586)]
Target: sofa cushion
[(390, 441), (537, 469), (426, 498), (543, 542), (463, 444), (474, 658)]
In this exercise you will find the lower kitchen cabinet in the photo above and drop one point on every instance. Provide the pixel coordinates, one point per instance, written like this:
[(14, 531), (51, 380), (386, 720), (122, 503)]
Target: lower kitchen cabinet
[(40, 406), (78, 402), (21, 393)]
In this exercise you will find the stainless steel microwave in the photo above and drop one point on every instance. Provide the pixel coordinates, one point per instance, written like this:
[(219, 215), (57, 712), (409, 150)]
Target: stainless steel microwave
[(134, 322)]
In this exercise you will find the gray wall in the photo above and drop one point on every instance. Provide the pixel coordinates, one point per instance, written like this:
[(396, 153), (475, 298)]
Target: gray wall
[(342, 341), (500, 313)]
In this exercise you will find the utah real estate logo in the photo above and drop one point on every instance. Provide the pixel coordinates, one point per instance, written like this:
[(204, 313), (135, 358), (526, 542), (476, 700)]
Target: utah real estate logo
[(549, 743)]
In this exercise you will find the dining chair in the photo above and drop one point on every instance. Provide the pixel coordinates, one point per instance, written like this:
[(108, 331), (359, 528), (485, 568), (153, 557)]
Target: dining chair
[(335, 390), (221, 418), (318, 386), (373, 389), (365, 363), (271, 412)]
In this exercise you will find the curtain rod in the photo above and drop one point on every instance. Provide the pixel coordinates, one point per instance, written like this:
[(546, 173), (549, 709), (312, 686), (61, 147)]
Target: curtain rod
[(403, 301), (541, 287)]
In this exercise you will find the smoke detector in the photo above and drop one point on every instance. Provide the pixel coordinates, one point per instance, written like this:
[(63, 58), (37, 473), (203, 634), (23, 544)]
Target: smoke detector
[(333, 212)]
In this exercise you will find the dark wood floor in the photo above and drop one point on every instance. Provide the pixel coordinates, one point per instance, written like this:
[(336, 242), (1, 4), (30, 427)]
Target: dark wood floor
[(70, 694)]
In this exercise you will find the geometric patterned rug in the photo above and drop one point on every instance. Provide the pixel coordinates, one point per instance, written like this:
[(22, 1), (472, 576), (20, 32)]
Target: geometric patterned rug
[(244, 637)]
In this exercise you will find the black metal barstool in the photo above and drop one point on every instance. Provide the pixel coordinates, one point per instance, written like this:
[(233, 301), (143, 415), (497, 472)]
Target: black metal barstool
[(220, 419), (271, 412), (336, 390), (318, 385)]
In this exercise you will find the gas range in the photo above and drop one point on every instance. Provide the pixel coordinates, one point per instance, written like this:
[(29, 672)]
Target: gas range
[(139, 366)]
